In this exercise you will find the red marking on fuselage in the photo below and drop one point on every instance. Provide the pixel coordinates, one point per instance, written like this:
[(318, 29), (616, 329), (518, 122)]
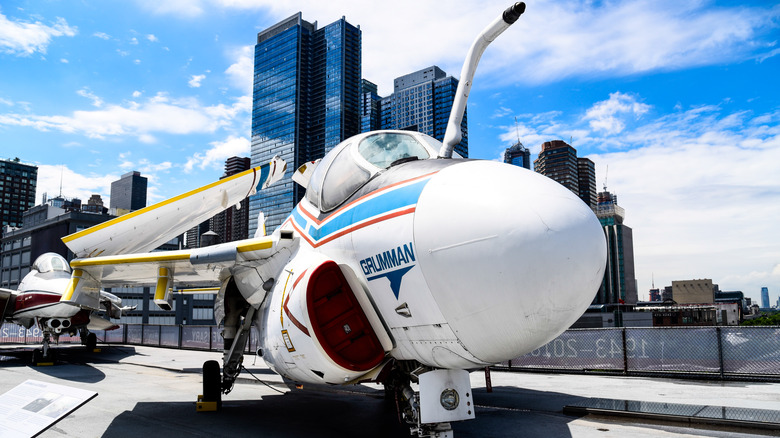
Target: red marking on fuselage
[(337, 212), (287, 311)]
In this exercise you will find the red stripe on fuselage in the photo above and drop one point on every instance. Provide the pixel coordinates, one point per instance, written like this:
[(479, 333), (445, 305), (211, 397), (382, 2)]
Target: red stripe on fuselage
[(353, 227), (337, 212)]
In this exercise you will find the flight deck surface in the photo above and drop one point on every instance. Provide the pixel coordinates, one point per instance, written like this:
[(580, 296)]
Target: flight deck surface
[(146, 390)]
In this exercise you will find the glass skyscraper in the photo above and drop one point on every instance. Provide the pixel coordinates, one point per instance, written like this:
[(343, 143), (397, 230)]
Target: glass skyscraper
[(764, 297), (305, 100), (422, 101), (518, 155)]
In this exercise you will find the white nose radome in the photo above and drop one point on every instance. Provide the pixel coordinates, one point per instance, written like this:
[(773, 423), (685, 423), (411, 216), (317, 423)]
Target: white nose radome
[(516, 257)]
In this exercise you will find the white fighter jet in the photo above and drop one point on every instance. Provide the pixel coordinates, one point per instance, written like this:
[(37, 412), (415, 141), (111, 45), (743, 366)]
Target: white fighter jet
[(402, 266), (37, 302)]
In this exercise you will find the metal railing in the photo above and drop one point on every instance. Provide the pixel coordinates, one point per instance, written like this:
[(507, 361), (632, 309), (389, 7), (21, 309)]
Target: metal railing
[(720, 352), (702, 352)]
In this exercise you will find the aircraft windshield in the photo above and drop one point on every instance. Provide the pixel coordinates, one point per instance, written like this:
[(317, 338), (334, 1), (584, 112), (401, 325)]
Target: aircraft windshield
[(383, 149), (350, 165), (51, 262)]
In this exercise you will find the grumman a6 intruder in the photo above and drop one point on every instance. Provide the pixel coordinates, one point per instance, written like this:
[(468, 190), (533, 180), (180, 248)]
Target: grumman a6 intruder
[(402, 265)]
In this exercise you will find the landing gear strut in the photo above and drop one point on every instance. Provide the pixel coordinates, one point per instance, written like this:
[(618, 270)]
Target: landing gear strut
[(46, 353)]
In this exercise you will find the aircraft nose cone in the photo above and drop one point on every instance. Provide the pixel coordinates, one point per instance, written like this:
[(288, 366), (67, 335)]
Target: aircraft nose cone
[(512, 257)]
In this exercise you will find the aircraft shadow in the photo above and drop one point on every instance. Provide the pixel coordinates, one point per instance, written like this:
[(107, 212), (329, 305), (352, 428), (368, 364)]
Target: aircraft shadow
[(507, 412), (72, 361)]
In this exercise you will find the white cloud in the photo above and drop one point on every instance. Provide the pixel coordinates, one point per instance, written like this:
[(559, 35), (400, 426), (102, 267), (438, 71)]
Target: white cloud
[(24, 38), (96, 101), (136, 94), (158, 114), (219, 152), (152, 38), (606, 115), (554, 39), (241, 72), (195, 80), (134, 41), (74, 185), (63, 60), (102, 35), (136, 61), (182, 8)]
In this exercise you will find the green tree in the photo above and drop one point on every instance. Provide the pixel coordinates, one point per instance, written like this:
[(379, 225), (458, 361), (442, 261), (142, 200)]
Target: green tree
[(764, 319)]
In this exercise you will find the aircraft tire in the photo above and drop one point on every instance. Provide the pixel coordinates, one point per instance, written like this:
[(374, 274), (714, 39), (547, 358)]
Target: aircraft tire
[(37, 355), (91, 342), (212, 382)]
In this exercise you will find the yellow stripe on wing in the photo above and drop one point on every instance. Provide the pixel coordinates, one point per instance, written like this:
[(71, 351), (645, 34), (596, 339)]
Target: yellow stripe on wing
[(129, 259)]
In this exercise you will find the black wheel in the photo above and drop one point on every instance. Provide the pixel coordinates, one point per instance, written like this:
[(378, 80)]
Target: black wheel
[(37, 355), (212, 382), (91, 341)]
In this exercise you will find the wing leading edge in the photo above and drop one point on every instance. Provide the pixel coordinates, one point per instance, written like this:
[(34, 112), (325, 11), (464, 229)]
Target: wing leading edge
[(143, 230), (164, 270)]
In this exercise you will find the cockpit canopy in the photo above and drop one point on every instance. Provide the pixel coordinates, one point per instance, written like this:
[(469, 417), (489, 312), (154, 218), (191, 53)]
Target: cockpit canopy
[(356, 160), (50, 262)]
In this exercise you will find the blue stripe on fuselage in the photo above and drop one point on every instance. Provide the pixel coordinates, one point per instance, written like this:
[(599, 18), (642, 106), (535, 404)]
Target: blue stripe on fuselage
[(390, 200)]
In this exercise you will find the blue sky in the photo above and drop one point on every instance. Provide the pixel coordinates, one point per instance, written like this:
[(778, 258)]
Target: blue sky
[(678, 99)]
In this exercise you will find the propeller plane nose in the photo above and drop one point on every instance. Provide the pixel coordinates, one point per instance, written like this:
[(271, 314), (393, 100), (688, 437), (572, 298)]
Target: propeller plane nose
[(516, 256)]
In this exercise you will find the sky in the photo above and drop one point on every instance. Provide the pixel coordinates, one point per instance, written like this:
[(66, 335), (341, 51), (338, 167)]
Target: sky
[(676, 102)]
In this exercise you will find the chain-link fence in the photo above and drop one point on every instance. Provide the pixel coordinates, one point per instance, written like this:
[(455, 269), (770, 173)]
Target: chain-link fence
[(701, 351), (720, 352)]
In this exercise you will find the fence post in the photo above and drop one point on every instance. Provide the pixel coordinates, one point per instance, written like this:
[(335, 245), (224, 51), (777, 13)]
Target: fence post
[(625, 353), (719, 333)]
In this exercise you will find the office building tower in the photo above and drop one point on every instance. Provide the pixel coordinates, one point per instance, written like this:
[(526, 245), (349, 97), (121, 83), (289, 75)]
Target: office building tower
[(233, 223), (619, 284), (422, 101), (586, 181), (558, 160), (764, 297), (305, 100), (518, 155), (17, 191), (370, 104), (129, 192)]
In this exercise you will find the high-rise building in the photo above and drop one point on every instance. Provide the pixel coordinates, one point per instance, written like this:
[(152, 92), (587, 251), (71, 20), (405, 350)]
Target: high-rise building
[(558, 160), (619, 279), (17, 191), (764, 297), (305, 100), (422, 101), (129, 192), (370, 104), (233, 223), (518, 155), (586, 181)]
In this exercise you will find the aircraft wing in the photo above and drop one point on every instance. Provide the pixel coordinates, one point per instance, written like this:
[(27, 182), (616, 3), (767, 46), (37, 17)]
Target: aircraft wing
[(7, 300), (146, 229), (200, 267)]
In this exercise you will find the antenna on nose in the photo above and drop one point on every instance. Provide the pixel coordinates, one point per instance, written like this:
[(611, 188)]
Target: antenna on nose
[(452, 136)]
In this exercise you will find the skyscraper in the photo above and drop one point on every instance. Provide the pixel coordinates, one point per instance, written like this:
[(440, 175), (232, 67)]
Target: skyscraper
[(17, 191), (558, 160), (518, 155), (619, 279), (305, 100), (233, 223), (129, 192), (764, 297), (422, 101), (586, 181), (369, 107)]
